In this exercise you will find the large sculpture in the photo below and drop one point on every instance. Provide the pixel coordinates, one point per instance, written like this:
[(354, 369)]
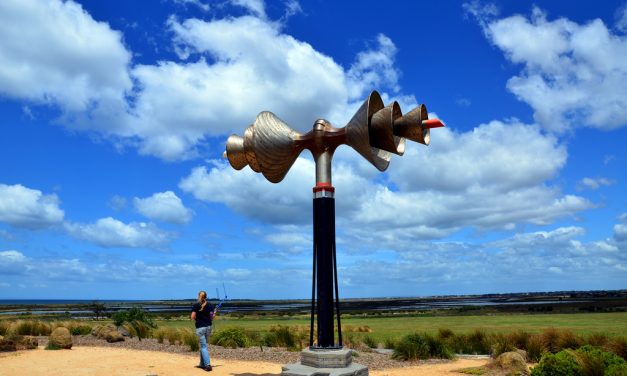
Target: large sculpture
[(270, 147)]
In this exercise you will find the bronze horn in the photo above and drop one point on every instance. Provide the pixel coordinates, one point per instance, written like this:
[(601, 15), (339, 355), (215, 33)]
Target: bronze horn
[(235, 152), (381, 130), (415, 125), (358, 135), (274, 146)]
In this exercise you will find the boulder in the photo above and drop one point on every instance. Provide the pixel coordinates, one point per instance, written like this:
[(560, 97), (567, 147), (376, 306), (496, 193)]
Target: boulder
[(100, 331), (60, 338), (27, 343), (513, 362), (113, 336), (7, 344), (123, 331)]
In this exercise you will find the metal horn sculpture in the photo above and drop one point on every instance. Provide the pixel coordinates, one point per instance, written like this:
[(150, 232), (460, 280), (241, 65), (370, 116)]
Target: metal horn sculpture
[(270, 146)]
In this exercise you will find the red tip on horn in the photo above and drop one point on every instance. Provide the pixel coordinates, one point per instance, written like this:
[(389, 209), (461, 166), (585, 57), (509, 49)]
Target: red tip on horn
[(432, 123)]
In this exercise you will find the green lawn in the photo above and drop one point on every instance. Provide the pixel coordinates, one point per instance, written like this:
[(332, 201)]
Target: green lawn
[(612, 324)]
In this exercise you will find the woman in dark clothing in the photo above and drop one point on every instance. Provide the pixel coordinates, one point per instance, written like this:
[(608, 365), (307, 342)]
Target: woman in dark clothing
[(202, 313)]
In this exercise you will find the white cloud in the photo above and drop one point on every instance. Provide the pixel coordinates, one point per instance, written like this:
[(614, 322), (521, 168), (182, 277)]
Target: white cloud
[(109, 232), (28, 208), (374, 68), (12, 262), (203, 6), (256, 7), (164, 206), (64, 57), (250, 194), (236, 67), (497, 156), (573, 74), (117, 202), (591, 183), (621, 18), (493, 177)]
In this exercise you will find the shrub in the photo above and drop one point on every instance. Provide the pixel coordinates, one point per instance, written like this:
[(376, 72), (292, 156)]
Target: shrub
[(4, 327), (519, 339), (421, 346), (30, 328), (52, 346), (410, 347), (478, 342), (586, 361), (138, 320), (560, 364), (617, 346), (445, 333), (282, 336), (550, 340), (173, 336), (80, 330), (231, 337), (190, 339), (370, 342), (159, 335), (389, 343), (568, 340), (501, 343), (438, 348), (535, 348), (598, 340)]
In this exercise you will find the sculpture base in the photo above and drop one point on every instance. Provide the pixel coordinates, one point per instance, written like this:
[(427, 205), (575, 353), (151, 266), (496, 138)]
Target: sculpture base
[(325, 363)]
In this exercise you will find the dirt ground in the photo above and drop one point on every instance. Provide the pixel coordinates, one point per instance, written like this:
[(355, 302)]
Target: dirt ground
[(100, 361)]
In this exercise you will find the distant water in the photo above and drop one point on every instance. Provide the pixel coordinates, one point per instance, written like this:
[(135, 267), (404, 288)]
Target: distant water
[(60, 301)]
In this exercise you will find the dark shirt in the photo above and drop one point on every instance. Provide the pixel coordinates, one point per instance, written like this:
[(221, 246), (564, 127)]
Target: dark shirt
[(203, 318)]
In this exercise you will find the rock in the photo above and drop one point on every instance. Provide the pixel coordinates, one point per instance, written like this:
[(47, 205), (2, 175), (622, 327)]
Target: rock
[(27, 343), (513, 362), (7, 344), (60, 338), (113, 336), (101, 330), (523, 353), (123, 331)]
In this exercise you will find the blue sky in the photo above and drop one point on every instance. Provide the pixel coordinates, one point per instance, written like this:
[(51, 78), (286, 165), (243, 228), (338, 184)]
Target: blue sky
[(115, 114)]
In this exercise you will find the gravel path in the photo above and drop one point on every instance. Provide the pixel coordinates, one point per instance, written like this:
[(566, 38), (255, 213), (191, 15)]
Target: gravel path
[(370, 358)]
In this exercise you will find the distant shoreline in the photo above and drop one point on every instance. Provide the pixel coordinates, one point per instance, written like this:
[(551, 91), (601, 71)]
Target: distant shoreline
[(556, 302)]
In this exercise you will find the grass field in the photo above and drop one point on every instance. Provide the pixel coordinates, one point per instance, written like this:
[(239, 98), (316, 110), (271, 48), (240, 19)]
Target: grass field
[(611, 324)]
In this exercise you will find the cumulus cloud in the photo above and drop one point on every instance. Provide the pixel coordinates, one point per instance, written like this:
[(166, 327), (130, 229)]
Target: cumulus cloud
[(64, 57), (592, 183), (198, 3), (493, 177), (375, 68), (573, 74), (163, 206), (15, 263), (621, 19), (233, 69), (12, 262), (117, 202), (28, 208), (109, 232), (256, 7)]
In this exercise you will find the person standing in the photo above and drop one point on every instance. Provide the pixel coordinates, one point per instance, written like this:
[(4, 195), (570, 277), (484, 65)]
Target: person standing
[(202, 313)]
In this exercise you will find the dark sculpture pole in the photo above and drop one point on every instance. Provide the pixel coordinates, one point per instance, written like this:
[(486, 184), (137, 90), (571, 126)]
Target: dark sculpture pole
[(325, 277)]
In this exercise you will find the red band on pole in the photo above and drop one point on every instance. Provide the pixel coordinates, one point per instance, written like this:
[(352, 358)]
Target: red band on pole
[(323, 186)]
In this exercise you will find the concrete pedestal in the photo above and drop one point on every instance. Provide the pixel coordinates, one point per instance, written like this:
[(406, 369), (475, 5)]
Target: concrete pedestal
[(325, 363)]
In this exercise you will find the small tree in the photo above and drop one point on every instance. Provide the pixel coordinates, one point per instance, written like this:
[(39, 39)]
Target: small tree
[(97, 308), (138, 320)]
